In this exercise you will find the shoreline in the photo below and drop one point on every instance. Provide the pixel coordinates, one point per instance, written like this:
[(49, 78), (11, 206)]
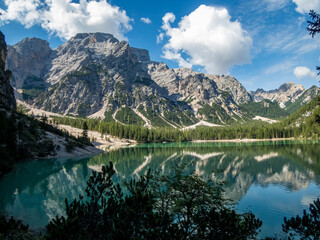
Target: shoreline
[(245, 140), (100, 141), (99, 147)]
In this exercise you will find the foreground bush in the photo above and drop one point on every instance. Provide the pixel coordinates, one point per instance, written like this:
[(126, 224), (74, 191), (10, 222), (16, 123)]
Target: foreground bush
[(11, 228), (305, 227), (167, 207)]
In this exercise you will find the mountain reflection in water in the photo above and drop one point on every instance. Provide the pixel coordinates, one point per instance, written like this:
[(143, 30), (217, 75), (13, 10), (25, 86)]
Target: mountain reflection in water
[(265, 177)]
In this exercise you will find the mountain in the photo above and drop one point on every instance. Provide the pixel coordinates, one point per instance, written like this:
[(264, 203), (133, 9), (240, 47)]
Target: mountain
[(289, 96), (306, 117), (94, 74), (303, 99), (6, 91)]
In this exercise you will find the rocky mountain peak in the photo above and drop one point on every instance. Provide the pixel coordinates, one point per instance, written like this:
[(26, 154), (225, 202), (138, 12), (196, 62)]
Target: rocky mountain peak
[(232, 86), (100, 42), (26, 53), (285, 95), (95, 72), (92, 40), (289, 87), (33, 44), (95, 37), (260, 90)]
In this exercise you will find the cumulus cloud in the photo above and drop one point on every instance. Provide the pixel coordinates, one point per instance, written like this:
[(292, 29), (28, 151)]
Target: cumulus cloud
[(146, 20), (206, 37), (66, 18), (26, 11), (303, 72), (304, 6)]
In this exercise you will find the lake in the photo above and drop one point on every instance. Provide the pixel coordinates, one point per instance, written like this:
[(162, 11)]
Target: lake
[(273, 179)]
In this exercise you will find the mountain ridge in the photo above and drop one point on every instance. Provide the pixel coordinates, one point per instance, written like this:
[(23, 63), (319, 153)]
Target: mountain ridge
[(95, 74), (95, 70), (286, 95)]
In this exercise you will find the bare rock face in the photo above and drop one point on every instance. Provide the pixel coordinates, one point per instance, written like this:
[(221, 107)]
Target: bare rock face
[(230, 85), (286, 92), (27, 59), (6, 91), (287, 95)]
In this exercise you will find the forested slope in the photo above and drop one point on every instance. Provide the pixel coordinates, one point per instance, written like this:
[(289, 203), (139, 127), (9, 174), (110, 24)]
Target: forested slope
[(303, 123)]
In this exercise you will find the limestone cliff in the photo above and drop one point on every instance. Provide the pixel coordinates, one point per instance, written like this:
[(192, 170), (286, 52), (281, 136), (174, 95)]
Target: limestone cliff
[(27, 60), (286, 95), (6, 91)]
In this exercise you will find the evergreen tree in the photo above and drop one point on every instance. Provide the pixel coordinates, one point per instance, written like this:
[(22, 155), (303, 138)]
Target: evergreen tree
[(307, 226), (314, 26), (85, 130), (166, 207)]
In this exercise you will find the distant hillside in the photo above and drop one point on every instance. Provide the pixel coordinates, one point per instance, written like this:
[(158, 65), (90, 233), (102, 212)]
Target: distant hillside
[(289, 96), (304, 123), (303, 99), (265, 108), (306, 118)]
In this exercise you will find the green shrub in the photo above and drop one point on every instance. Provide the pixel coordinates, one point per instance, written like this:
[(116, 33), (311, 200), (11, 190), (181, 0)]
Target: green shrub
[(167, 207)]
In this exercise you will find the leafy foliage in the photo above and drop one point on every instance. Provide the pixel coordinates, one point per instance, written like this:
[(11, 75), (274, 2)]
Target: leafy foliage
[(23, 137), (210, 114), (14, 229), (153, 116), (30, 94), (32, 87), (108, 116), (180, 206), (85, 138), (307, 226), (128, 116)]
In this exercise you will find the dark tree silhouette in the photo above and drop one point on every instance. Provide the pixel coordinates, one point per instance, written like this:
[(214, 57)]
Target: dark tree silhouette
[(85, 130), (307, 226), (314, 27), (178, 206)]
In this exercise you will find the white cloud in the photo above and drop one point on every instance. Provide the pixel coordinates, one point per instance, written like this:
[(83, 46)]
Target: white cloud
[(22, 11), (208, 37), (65, 18), (284, 66), (302, 72), (160, 37), (275, 4), (304, 6), (146, 20)]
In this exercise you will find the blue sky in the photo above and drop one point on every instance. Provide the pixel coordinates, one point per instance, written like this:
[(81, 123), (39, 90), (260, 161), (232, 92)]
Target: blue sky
[(262, 43)]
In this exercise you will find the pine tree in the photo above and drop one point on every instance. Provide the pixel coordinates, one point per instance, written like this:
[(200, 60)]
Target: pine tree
[(85, 131)]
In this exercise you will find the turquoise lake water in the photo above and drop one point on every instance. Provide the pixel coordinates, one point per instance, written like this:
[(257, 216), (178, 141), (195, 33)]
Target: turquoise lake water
[(272, 179)]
